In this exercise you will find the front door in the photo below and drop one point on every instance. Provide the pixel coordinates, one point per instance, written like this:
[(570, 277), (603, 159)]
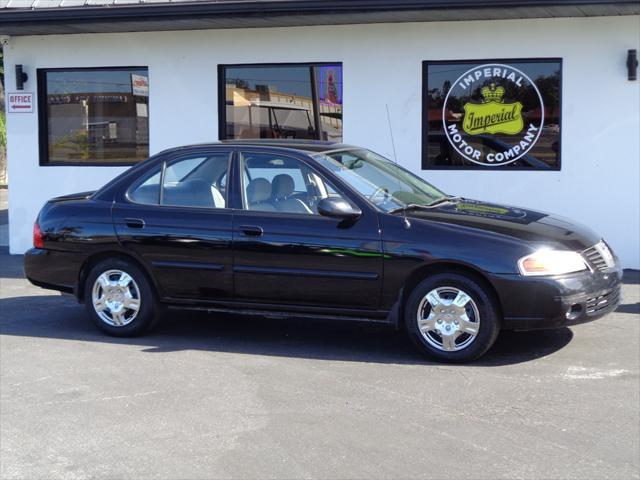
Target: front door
[(286, 253), (176, 221)]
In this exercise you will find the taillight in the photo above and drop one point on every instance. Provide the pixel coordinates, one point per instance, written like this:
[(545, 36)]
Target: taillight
[(38, 241)]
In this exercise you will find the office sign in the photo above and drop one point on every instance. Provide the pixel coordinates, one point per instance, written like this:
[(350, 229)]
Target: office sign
[(19, 102)]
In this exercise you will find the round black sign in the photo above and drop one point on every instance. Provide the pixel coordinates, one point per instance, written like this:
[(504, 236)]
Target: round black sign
[(499, 107)]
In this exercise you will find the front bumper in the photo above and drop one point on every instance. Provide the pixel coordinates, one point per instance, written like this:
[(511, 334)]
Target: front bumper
[(530, 303)]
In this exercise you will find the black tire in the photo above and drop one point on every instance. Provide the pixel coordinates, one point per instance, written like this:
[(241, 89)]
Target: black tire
[(147, 313), (489, 325)]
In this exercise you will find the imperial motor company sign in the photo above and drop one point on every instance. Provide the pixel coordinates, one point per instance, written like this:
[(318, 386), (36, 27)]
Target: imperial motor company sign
[(497, 111)]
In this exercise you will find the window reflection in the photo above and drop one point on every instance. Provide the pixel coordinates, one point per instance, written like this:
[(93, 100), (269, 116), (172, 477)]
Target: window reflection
[(283, 102), (97, 116)]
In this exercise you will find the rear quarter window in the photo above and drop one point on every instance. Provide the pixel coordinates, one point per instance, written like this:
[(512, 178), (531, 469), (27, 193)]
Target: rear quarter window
[(147, 190)]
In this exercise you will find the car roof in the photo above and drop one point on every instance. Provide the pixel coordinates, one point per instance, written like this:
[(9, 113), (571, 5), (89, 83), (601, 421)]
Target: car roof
[(307, 146), (302, 146)]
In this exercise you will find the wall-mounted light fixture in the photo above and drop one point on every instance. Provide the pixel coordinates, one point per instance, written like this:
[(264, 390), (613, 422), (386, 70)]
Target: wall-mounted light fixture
[(21, 78), (632, 64)]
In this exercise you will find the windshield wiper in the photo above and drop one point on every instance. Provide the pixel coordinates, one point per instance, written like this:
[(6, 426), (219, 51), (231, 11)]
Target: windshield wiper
[(435, 204), (444, 200)]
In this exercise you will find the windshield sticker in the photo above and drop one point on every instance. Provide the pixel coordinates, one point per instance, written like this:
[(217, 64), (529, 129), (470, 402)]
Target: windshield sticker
[(474, 208)]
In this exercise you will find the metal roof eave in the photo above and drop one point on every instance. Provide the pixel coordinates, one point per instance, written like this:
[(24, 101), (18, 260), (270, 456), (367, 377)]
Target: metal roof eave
[(279, 13)]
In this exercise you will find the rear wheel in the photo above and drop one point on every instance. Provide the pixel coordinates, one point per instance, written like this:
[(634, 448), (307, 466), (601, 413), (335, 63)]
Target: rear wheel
[(119, 298), (452, 317)]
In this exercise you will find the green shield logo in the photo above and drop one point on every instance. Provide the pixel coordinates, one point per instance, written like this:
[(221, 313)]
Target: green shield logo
[(492, 115)]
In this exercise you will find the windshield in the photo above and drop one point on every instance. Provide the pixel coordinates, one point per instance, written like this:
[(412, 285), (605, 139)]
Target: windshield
[(382, 182)]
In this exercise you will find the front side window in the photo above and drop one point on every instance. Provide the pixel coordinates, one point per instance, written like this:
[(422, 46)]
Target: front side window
[(277, 183), (196, 181), (379, 180), (94, 116), (282, 101)]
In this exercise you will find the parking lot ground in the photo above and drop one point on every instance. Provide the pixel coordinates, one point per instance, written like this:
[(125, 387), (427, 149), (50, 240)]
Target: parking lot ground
[(4, 217), (234, 397)]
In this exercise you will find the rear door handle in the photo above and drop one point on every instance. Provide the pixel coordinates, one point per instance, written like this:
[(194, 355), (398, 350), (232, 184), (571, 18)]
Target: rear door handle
[(134, 222), (251, 230)]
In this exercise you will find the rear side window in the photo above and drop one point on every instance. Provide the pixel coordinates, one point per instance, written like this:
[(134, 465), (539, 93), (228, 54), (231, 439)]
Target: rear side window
[(195, 181)]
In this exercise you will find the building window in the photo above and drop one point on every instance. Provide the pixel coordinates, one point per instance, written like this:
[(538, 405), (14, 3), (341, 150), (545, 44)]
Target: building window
[(296, 101), (93, 116), (492, 114)]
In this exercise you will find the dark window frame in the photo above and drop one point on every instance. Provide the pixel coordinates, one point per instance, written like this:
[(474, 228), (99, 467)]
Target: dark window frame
[(222, 94), (425, 114), (43, 128)]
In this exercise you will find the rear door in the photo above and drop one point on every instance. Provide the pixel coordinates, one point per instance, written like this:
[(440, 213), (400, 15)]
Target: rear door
[(286, 253), (176, 220)]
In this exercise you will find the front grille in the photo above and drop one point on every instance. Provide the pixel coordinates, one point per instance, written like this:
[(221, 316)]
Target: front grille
[(600, 302), (599, 256)]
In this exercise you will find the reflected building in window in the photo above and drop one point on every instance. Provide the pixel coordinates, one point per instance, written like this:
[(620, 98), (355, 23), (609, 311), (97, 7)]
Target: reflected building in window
[(282, 102), (95, 116)]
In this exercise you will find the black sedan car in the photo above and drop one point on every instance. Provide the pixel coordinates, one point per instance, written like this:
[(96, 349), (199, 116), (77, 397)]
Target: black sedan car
[(317, 229)]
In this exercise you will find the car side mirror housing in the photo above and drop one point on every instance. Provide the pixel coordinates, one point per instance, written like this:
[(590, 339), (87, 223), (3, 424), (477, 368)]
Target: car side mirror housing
[(335, 207)]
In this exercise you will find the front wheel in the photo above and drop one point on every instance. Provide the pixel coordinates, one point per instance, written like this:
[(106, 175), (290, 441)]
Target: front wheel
[(119, 298), (452, 317)]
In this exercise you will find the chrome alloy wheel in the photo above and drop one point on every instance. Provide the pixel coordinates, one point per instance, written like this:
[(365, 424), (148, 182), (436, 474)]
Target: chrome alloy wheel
[(116, 298), (448, 319)]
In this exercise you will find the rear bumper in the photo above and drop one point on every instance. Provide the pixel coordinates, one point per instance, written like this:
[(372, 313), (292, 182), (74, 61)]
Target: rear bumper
[(51, 269), (533, 303)]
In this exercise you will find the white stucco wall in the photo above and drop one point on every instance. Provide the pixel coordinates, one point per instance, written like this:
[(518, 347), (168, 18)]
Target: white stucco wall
[(599, 184)]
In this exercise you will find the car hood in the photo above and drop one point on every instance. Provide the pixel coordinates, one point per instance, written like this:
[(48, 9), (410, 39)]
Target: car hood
[(537, 228)]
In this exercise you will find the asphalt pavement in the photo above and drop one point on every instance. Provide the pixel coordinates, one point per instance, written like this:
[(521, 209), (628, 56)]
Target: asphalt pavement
[(224, 396), (4, 217)]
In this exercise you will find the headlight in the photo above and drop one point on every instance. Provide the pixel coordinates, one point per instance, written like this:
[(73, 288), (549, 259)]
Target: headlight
[(551, 262)]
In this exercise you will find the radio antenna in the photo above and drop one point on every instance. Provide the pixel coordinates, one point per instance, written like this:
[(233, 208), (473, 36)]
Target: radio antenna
[(407, 224), (393, 143)]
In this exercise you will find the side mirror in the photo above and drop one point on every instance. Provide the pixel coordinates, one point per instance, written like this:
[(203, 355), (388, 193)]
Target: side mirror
[(336, 207)]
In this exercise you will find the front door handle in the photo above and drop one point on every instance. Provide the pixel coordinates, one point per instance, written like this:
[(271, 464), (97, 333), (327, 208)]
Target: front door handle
[(251, 230), (134, 222)]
